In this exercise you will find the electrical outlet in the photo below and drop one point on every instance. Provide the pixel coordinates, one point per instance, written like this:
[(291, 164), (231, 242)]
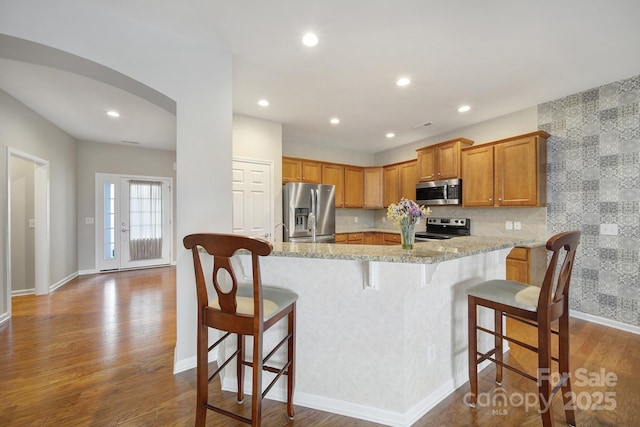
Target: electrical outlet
[(32, 223), (355, 219), (517, 225), (88, 220), (384, 219), (508, 225)]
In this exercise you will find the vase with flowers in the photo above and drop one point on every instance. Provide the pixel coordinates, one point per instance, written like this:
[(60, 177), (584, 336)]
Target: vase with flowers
[(407, 214)]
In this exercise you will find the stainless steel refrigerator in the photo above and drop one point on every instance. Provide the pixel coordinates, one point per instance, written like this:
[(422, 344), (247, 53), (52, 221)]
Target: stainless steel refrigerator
[(309, 212)]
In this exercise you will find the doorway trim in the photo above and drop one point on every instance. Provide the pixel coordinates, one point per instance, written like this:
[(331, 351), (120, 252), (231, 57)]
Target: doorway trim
[(42, 228)]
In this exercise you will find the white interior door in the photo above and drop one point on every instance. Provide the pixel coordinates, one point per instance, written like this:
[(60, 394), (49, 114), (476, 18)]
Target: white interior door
[(252, 198), (133, 221)]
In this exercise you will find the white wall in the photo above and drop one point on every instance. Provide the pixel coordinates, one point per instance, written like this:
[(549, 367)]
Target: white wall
[(94, 157), (256, 139), (23, 129), (194, 72)]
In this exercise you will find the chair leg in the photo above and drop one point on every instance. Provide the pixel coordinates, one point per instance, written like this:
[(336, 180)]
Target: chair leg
[(240, 368), (544, 372), (291, 356), (473, 357), (563, 356), (202, 375), (256, 396), (497, 327)]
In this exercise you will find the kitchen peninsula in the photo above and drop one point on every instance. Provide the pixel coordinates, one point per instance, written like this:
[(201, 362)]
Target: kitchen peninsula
[(381, 333)]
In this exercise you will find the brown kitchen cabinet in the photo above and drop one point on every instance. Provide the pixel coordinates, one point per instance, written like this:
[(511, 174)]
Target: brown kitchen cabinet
[(509, 172), (373, 188), (350, 238), (392, 239), (373, 238), (399, 180), (301, 170), (353, 187), (441, 161), (334, 175), (527, 265)]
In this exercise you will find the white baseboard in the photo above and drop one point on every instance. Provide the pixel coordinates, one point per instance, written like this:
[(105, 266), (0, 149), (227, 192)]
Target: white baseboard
[(604, 321), (87, 272), (21, 292), (63, 282), (4, 317)]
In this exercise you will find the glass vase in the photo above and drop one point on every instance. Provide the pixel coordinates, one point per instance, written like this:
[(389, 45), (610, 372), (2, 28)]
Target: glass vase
[(407, 236)]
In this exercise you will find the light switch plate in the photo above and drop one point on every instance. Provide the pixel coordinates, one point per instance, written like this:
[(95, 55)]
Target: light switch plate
[(508, 225), (517, 225)]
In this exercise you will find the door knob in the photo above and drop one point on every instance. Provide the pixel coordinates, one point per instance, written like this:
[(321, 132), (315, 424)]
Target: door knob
[(125, 230)]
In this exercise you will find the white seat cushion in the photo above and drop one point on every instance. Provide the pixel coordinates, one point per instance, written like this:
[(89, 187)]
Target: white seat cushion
[(508, 292), (273, 299)]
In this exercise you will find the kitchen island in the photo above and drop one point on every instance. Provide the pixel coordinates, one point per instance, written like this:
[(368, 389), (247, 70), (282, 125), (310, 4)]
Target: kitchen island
[(381, 332)]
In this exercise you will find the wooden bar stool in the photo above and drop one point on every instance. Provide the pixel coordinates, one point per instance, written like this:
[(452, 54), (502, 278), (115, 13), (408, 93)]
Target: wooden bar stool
[(535, 306), (243, 311)]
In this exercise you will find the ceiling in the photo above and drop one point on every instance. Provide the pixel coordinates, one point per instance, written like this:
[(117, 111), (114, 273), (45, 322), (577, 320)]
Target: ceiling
[(498, 56)]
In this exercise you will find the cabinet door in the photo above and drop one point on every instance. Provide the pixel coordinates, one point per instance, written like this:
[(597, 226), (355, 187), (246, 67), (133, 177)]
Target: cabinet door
[(334, 175), (518, 265), (311, 172), (368, 238), (391, 183), (291, 170), (378, 238), (477, 176), (408, 178), (516, 173), (448, 159), (353, 187), (372, 188), (341, 238), (355, 238), (427, 164)]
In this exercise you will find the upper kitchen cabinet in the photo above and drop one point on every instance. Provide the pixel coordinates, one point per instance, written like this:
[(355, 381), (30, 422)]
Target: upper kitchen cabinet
[(399, 180), (509, 172), (373, 188), (301, 170), (442, 160), (353, 187), (334, 175)]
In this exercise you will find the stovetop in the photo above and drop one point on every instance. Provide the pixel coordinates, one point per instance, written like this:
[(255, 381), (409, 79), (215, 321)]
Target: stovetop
[(445, 228)]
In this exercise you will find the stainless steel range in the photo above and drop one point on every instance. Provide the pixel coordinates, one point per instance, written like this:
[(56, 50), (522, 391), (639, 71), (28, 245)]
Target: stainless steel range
[(444, 228)]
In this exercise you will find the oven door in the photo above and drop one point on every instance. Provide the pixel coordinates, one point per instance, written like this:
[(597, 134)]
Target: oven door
[(433, 193)]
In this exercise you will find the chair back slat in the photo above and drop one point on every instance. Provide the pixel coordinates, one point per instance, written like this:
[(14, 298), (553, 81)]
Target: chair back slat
[(555, 285), (222, 247)]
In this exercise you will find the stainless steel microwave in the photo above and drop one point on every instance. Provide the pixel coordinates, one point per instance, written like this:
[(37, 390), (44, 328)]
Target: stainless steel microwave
[(434, 193)]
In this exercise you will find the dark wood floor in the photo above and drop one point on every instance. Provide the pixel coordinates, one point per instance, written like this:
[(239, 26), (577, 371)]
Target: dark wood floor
[(99, 352)]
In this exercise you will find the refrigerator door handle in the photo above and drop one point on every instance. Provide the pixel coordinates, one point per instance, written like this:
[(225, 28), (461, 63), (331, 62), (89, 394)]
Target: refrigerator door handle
[(312, 215)]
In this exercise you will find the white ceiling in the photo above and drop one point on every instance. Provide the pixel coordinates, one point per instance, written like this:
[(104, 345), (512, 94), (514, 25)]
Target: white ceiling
[(498, 56)]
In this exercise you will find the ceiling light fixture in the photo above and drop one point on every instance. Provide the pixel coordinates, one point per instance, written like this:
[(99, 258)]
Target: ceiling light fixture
[(464, 109), (403, 81), (334, 121), (113, 113), (263, 103), (310, 39), (391, 135)]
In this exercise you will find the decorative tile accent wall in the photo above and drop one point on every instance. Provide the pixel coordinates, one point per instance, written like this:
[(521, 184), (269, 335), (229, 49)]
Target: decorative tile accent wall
[(594, 179)]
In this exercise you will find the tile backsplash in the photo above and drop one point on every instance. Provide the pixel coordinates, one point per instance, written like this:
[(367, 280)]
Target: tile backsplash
[(593, 178)]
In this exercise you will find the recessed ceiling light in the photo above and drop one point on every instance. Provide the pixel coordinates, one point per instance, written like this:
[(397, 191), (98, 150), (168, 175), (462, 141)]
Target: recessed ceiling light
[(403, 81), (391, 135), (310, 39), (464, 109), (263, 103), (334, 121), (113, 113)]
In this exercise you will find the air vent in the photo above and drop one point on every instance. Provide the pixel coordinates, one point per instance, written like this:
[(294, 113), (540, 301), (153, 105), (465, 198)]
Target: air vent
[(423, 125)]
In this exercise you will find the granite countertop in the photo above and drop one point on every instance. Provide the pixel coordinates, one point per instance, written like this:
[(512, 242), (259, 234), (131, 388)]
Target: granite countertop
[(423, 252)]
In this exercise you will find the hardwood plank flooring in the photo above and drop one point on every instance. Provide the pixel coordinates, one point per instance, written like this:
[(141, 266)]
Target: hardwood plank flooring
[(99, 352)]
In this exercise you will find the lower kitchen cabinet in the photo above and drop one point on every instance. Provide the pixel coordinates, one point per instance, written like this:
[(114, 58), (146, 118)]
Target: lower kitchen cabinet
[(527, 265)]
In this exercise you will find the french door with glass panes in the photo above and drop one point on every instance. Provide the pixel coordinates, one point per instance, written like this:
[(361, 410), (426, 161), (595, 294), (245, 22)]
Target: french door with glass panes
[(133, 221)]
